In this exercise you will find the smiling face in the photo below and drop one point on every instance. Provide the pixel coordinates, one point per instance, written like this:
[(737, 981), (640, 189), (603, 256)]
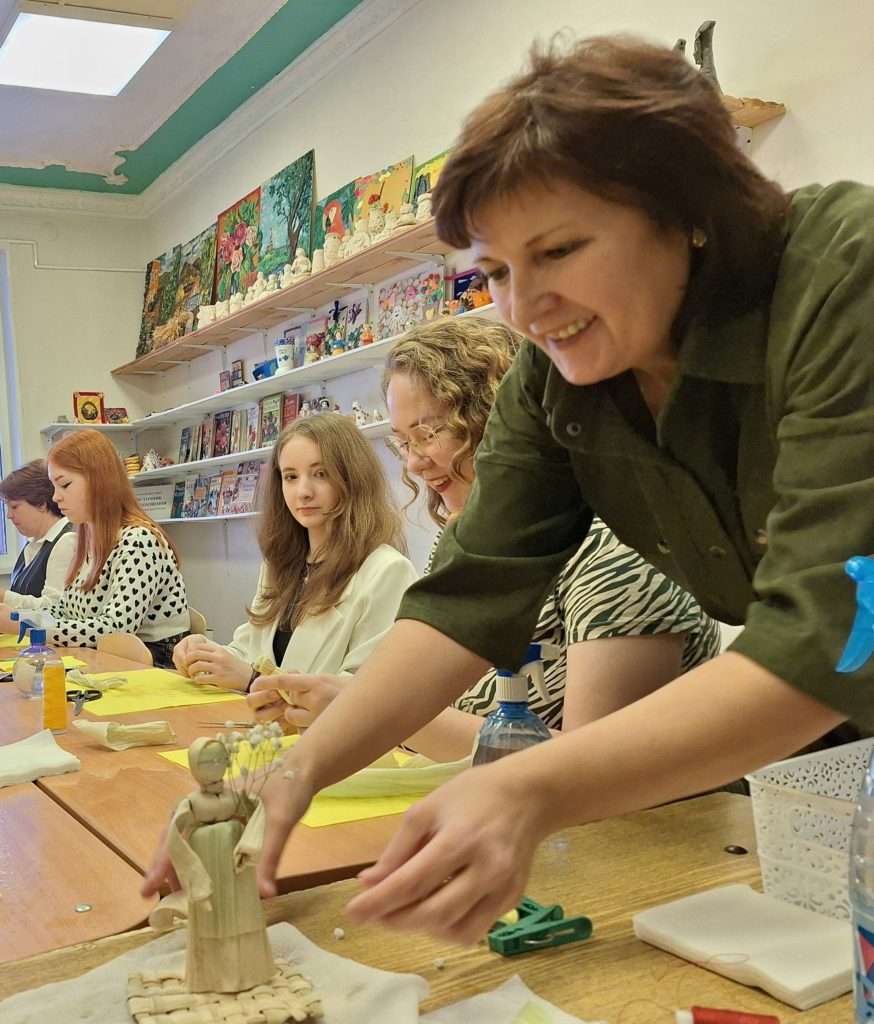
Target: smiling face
[(595, 284), (71, 493), (309, 495), (415, 415)]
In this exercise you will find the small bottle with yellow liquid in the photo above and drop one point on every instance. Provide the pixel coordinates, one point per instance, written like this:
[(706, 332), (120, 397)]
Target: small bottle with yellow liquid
[(54, 697)]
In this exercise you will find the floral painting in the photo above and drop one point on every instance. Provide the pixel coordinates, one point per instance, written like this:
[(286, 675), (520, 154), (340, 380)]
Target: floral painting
[(287, 214), (335, 215), (387, 188), (425, 175), (196, 276), (159, 297), (238, 246)]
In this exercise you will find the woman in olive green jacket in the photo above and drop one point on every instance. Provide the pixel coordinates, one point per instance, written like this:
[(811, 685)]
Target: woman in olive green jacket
[(701, 375)]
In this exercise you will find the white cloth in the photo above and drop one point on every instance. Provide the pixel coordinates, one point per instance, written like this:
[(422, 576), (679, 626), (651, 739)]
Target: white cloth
[(340, 639), (510, 1003), (34, 758), (115, 736), (57, 567), (795, 955)]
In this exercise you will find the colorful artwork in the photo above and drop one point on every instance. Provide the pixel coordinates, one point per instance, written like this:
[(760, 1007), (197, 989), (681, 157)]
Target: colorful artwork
[(287, 214), (425, 175), (196, 277), (335, 215), (316, 331), (410, 299), (386, 189), (238, 246), (159, 297)]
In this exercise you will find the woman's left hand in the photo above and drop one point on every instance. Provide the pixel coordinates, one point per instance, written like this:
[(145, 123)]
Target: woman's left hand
[(310, 695), (460, 859), (209, 662)]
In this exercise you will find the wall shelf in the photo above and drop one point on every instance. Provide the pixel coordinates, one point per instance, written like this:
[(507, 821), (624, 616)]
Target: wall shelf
[(377, 263), (748, 112), (208, 519), (51, 430)]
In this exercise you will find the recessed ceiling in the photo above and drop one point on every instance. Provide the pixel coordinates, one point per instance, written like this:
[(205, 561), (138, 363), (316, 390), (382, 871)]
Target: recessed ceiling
[(217, 56)]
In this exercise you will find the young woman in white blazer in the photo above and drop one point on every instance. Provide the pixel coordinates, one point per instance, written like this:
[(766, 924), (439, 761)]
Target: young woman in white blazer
[(333, 573)]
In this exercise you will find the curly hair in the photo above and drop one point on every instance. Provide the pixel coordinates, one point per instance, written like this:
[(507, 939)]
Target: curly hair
[(365, 518), (460, 361)]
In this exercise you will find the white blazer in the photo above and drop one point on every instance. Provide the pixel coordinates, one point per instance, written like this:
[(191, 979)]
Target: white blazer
[(341, 638)]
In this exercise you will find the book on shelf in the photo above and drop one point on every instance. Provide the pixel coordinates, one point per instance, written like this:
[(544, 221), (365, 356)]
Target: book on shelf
[(196, 437), (251, 440), (212, 498), (200, 497), (228, 489), (270, 419), (290, 408), (221, 433), (236, 431), (206, 436), (246, 492), (156, 500), (185, 445), (178, 499), (188, 497)]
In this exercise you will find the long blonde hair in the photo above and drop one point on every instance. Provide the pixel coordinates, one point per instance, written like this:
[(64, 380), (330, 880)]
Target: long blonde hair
[(365, 518), (112, 504), (460, 361)]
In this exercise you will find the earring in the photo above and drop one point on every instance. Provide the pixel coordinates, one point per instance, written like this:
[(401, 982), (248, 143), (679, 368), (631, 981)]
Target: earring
[(699, 238)]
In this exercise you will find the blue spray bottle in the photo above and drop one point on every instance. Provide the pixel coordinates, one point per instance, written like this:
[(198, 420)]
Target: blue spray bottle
[(29, 667), (514, 726)]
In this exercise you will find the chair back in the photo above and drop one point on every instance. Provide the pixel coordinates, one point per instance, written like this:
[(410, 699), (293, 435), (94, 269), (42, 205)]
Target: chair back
[(125, 645)]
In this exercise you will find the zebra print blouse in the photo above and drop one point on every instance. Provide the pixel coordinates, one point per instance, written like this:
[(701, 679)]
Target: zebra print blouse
[(605, 590)]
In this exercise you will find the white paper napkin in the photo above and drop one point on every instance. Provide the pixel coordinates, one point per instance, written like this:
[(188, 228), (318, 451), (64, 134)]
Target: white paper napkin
[(511, 1003), (34, 758), (350, 992)]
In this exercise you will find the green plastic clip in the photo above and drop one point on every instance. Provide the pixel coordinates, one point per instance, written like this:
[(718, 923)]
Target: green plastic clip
[(538, 927)]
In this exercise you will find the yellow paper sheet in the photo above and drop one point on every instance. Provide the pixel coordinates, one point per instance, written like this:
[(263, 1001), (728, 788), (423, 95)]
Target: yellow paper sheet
[(531, 1013), (150, 689), (69, 662), (323, 810), (10, 640)]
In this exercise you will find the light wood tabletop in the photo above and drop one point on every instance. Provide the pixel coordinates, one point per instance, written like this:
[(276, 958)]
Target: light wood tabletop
[(50, 865), (608, 870), (126, 797)]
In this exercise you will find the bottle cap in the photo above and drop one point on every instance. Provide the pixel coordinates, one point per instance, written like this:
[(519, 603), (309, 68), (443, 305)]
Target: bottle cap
[(37, 636), (512, 688)]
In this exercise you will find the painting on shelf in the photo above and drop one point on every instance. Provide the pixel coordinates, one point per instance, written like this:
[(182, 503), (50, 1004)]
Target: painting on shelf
[(159, 301), (386, 189), (335, 215), (238, 246), (425, 175), (196, 277), (287, 214)]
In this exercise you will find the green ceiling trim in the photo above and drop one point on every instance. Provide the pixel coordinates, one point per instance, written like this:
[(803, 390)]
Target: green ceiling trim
[(282, 39)]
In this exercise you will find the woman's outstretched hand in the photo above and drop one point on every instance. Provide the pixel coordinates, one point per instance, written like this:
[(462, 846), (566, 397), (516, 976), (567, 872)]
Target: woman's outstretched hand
[(461, 858)]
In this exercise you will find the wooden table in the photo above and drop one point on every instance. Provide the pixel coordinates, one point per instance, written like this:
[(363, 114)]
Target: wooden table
[(126, 797), (609, 870)]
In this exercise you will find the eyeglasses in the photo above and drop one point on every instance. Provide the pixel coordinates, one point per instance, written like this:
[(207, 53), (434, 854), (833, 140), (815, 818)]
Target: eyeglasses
[(422, 440)]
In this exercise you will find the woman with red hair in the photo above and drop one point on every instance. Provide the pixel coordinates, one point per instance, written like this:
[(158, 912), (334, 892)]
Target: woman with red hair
[(124, 577)]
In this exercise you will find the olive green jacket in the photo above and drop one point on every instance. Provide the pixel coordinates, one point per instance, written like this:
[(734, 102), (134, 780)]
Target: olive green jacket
[(751, 489)]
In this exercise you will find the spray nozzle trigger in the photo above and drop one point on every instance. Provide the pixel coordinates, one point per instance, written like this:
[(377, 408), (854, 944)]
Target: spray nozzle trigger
[(533, 665)]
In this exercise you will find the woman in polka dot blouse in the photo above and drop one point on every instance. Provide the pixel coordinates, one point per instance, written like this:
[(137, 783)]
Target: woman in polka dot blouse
[(125, 575)]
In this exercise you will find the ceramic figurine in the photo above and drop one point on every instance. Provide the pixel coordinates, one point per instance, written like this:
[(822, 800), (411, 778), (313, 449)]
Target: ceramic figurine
[(703, 52), (391, 222), (305, 410), (301, 266), (249, 297), (360, 238), (332, 249), (273, 282), (324, 404), (205, 316), (375, 223), (376, 416), (287, 279), (335, 342), (353, 337), (366, 337), (423, 207), (235, 303), (406, 217), (259, 287), (358, 415), (313, 349), (318, 261), (222, 309), (151, 460)]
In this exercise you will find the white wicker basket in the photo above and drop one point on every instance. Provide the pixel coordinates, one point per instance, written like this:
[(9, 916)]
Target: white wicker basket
[(803, 810)]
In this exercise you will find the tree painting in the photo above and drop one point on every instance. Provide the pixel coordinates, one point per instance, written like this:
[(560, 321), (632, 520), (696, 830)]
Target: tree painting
[(159, 296), (196, 277), (238, 246), (286, 213)]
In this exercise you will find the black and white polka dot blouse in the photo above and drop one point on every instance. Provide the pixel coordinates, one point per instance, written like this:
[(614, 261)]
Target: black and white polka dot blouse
[(140, 590)]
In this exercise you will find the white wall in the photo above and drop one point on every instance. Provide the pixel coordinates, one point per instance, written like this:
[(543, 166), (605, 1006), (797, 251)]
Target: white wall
[(407, 91)]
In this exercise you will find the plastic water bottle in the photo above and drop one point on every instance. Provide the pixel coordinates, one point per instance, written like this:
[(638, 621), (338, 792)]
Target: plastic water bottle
[(29, 667), (513, 726), (862, 899)]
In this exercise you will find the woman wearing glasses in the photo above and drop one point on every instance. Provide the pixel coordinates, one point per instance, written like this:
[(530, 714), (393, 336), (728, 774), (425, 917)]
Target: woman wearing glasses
[(333, 573), (623, 629)]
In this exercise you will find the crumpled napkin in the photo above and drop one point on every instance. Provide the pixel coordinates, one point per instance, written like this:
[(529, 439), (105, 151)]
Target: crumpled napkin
[(34, 758), (120, 737), (510, 1003), (350, 992), (87, 682)]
